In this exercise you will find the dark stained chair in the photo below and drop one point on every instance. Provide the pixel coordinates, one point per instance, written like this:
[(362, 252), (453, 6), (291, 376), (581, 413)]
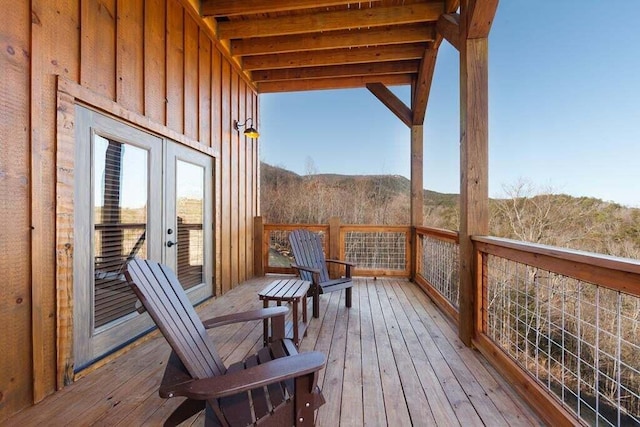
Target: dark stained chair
[(312, 266), (275, 387)]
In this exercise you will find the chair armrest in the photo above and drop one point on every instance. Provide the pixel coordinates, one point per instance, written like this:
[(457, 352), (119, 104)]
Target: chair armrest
[(304, 268), (257, 376), (337, 261), (347, 266), (263, 313)]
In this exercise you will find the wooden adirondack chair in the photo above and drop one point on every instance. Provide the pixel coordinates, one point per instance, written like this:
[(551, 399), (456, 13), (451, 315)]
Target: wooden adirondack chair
[(275, 387), (312, 266)]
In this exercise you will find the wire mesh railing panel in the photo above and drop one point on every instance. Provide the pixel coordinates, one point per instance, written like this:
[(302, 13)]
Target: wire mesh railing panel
[(376, 250), (580, 341), (438, 265)]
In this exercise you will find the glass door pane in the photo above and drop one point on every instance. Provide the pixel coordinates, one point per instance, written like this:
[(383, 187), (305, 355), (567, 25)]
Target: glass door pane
[(188, 218), (120, 223)]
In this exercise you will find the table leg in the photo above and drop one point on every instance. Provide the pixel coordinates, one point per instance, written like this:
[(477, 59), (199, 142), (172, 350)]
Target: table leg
[(296, 341), (316, 301), (265, 325), (304, 312)]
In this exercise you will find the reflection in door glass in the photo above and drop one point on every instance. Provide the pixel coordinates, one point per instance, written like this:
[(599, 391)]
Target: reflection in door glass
[(190, 217), (120, 217)]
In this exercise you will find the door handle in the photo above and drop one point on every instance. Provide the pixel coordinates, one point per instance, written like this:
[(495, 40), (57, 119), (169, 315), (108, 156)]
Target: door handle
[(170, 243)]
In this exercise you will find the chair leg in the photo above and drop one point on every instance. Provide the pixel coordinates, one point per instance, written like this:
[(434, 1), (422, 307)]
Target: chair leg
[(304, 400), (348, 298), (316, 301), (186, 410)]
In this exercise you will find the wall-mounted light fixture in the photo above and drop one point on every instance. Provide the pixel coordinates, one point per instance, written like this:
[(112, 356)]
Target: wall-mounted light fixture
[(249, 131)]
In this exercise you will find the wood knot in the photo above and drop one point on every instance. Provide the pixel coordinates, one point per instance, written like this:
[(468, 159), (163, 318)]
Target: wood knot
[(19, 300)]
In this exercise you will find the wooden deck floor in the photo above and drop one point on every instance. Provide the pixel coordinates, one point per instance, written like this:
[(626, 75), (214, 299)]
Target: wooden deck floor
[(392, 359)]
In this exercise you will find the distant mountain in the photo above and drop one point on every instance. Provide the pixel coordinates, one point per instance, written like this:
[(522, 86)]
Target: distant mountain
[(584, 223), (384, 184)]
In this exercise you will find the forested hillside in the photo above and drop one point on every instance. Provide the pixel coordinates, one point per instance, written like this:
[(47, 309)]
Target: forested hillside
[(525, 213)]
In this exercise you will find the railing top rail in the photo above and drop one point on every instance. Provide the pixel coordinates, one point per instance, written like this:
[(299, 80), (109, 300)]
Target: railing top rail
[(438, 233), (288, 227), (622, 274), (374, 228), (606, 261)]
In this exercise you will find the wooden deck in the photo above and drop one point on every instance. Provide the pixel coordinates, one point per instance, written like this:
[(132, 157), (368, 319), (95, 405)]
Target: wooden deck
[(392, 359)]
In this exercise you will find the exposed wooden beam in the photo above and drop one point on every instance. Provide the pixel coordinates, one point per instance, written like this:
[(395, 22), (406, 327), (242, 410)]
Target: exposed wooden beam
[(451, 6), (348, 70), (412, 33), (335, 57), (417, 167), (417, 191), (393, 103), (329, 21), (218, 8), (449, 27), (474, 177), (422, 86), (480, 14), (332, 83)]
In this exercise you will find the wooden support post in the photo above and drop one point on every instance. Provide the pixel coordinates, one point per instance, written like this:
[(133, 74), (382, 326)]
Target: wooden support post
[(258, 246), (334, 246), (417, 188), (474, 193)]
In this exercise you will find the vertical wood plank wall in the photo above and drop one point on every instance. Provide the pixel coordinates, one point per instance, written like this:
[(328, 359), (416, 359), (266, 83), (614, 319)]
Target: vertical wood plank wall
[(156, 58), (15, 292)]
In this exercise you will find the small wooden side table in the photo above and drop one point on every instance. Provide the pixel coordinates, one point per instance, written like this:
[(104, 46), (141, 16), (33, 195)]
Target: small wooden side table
[(288, 290)]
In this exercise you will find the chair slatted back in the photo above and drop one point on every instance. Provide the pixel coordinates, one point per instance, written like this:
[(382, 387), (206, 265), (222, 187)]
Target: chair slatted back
[(308, 252), (161, 293)]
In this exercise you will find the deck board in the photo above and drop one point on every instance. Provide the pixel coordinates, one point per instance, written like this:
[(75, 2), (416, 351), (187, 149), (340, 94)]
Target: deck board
[(392, 359)]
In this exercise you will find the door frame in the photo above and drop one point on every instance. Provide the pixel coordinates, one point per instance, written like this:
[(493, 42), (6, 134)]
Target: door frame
[(91, 344)]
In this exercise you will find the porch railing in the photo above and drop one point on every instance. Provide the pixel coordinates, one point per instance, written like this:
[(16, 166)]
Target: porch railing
[(376, 250), (563, 326), (562, 323), (437, 269)]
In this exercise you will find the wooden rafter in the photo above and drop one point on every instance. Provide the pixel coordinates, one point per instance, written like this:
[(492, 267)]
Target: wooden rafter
[(449, 27), (335, 57), (302, 44), (392, 102), (346, 70), (329, 21), (360, 37), (331, 83), (218, 8), (422, 86)]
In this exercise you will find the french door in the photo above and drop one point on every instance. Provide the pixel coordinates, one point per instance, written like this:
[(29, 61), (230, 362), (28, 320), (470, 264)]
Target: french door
[(136, 195)]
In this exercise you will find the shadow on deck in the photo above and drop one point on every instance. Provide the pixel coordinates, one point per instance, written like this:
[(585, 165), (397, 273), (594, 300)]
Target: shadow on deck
[(392, 359)]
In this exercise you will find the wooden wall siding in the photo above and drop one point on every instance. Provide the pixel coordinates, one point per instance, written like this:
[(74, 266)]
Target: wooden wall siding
[(154, 58), (175, 66), (49, 57), (191, 74), (204, 87), (242, 197), (234, 142), (98, 46), (15, 295), (129, 59), (225, 178)]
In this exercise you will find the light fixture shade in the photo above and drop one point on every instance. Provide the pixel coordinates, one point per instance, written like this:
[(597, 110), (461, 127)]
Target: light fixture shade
[(251, 133)]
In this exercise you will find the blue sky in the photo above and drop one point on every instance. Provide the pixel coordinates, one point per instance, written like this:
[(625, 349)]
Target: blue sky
[(564, 109)]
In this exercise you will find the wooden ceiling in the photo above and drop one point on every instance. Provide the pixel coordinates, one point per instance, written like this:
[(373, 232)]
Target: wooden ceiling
[(298, 45)]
